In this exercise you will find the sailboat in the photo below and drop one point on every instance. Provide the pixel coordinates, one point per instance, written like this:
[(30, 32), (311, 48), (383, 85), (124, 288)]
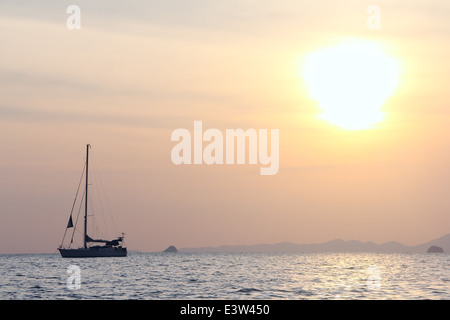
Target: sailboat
[(101, 248)]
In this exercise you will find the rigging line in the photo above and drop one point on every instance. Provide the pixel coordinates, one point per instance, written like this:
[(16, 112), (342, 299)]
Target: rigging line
[(78, 215), (99, 197), (74, 201), (101, 190), (78, 233), (93, 214), (108, 225)]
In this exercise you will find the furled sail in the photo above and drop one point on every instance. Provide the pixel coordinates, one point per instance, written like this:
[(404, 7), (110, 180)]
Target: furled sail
[(107, 242)]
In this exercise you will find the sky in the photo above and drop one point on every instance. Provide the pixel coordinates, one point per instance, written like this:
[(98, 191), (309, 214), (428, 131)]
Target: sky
[(136, 71)]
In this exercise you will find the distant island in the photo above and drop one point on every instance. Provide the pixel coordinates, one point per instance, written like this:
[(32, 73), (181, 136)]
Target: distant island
[(435, 249), (171, 249), (337, 245)]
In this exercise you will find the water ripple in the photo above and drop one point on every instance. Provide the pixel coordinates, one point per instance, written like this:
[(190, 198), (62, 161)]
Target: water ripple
[(229, 276)]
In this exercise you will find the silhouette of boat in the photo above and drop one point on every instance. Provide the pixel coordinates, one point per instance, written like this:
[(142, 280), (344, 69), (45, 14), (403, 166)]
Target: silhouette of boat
[(110, 248)]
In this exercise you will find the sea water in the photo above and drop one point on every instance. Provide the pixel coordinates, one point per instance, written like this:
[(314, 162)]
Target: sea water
[(233, 276)]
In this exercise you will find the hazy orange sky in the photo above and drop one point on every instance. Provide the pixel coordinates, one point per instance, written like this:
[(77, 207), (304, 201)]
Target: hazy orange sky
[(138, 70)]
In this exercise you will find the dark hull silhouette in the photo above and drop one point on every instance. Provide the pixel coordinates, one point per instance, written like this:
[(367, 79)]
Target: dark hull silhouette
[(96, 252)]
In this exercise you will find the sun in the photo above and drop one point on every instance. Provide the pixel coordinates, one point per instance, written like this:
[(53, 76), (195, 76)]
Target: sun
[(351, 82)]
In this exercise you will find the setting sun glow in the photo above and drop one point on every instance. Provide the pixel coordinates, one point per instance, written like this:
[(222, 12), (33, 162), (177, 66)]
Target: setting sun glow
[(351, 82)]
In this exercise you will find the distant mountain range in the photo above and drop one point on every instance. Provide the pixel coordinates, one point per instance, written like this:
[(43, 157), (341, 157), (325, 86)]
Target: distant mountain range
[(337, 245)]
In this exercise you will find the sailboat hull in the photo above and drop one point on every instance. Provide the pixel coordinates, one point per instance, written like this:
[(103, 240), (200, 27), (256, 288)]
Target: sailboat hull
[(93, 252)]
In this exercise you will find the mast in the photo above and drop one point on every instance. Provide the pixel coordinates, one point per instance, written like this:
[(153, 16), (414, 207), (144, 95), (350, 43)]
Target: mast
[(86, 195)]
